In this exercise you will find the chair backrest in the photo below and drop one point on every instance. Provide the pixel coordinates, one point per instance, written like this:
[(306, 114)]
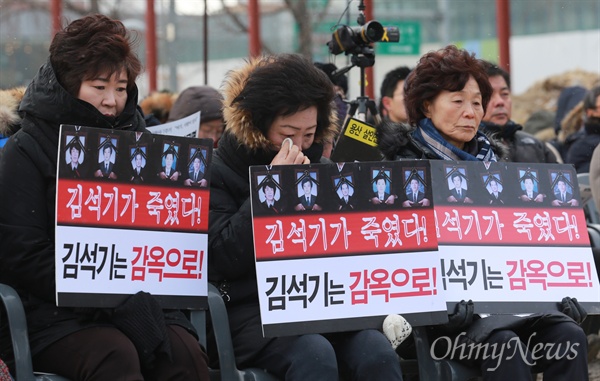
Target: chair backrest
[(228, 371), (17, 324), (594, 233), (18, 332), (220, 324), (590, 209), (198, 320)]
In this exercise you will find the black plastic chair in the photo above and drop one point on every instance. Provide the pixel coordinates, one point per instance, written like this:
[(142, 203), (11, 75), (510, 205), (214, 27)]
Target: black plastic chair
[(590, 209), (594, 233), (20, 339), (228, 370)]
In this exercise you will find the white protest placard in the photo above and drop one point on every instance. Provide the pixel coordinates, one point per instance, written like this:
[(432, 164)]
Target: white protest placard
[(131, 215), (515, 240), (341, 246), (187, 126)]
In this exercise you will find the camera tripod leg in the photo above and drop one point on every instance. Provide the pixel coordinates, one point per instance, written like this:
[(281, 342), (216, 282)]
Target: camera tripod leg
[(373, 109), (362, 105)]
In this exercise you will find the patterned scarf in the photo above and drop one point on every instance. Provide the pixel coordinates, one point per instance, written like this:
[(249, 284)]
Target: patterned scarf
[(4, 375), (427, 136)]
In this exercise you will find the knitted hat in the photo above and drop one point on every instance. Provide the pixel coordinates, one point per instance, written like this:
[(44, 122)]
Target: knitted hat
[(205, 99)]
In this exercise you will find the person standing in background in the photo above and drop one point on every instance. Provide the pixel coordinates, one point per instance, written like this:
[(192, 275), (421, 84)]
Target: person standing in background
[(595, 177), (340, 86)]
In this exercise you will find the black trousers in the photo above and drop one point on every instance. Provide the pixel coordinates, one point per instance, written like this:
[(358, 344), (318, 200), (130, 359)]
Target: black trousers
[(105, 353), (559, 351)]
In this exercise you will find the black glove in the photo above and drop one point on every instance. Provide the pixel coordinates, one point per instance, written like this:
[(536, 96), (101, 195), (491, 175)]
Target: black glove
[(142, 320), (572, 308), (462, 316)]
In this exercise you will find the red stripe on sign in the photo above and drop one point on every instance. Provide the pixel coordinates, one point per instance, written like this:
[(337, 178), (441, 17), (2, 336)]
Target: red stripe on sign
[(324, 235), (511, 226), (115, 205)]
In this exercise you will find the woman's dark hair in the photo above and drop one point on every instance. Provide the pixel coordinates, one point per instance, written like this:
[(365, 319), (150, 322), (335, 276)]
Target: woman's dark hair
[(283, 84), (91, 46), (338, 80), (446, 69)]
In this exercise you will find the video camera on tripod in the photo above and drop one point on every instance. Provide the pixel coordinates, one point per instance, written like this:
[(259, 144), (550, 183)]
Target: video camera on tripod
[(354, 40), (357, 41), (357, 140)]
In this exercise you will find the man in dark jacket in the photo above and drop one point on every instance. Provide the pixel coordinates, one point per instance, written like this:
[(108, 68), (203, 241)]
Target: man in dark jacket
[(523, 147)]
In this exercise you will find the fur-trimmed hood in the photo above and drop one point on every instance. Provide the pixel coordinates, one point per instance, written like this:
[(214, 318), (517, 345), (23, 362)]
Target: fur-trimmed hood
[(9, 106), (395, 140), (571, 123), (239, 122), (159, 104)]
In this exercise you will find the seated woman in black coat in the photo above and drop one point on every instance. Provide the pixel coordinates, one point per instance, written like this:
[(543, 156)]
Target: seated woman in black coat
[(278, 110), (88, 80)]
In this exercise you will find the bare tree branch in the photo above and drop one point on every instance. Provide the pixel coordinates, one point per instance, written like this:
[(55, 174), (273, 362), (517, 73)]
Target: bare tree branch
[(300, 12), (234, 17), (321, 15), (242, 27)]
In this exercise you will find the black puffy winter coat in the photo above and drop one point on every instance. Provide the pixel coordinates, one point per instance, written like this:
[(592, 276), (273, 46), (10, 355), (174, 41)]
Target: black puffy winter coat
[(523, 147), (28, 167), (231, 262)]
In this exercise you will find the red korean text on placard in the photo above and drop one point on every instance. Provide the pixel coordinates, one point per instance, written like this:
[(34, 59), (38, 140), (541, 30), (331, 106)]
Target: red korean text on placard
[(160, 263), (386, 284), (538, 274)]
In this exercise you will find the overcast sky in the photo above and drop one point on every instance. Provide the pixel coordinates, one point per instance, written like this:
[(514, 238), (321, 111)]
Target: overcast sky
[(196, 7)]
